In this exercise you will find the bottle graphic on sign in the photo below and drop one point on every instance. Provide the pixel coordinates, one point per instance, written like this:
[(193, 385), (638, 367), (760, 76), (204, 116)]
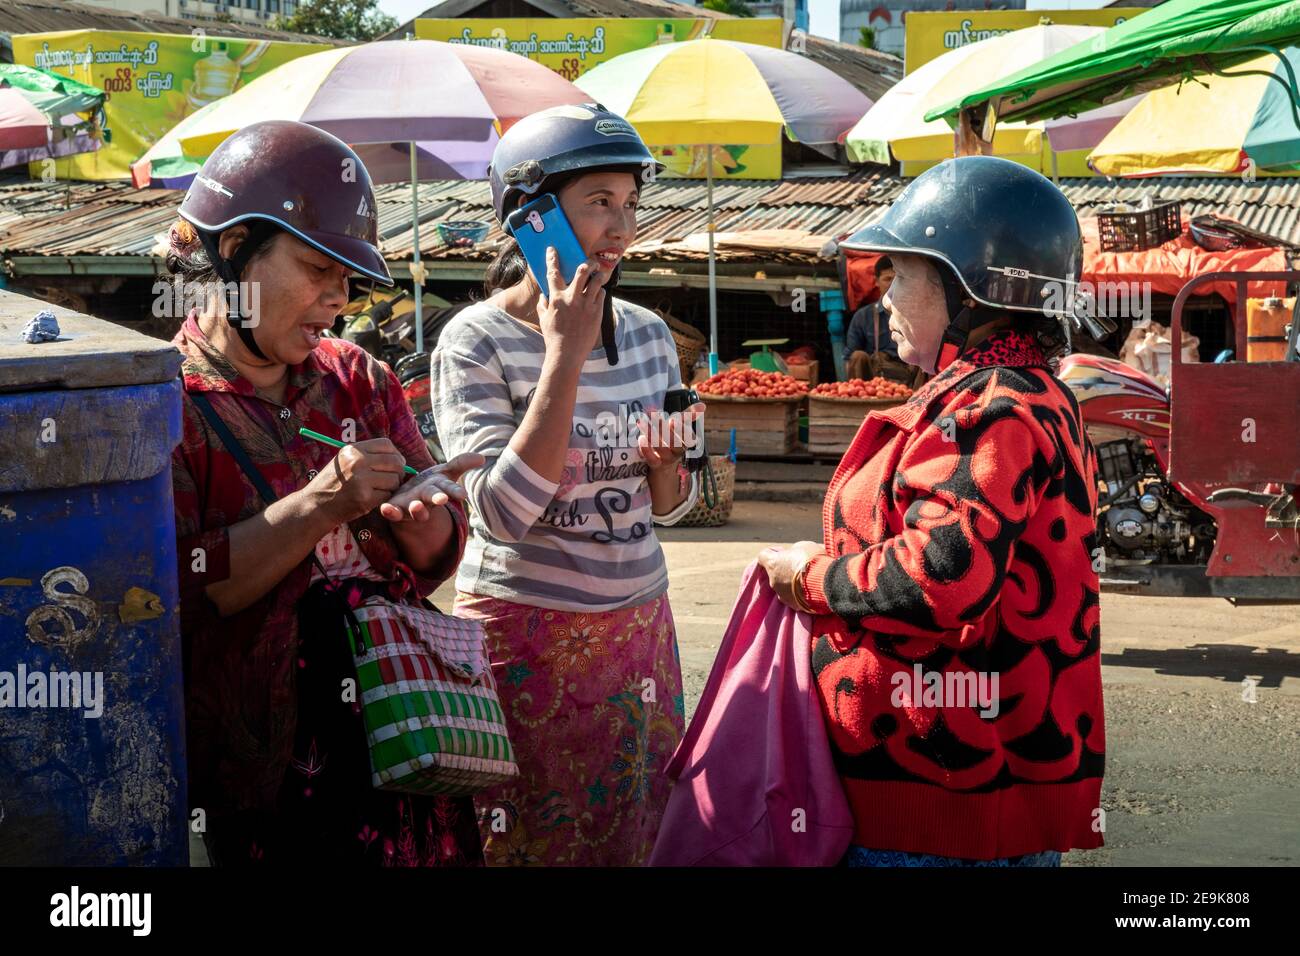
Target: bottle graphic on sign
[(215, 76)]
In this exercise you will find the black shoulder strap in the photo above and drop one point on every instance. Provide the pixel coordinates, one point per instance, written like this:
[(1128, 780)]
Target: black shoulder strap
[(234, 447), (245, 463)]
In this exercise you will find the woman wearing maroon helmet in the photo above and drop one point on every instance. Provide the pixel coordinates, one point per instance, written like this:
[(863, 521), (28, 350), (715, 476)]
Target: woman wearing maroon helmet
[(278, 757)]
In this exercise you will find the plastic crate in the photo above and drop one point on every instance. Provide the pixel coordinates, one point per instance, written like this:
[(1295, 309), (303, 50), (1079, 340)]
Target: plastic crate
[(1139, 229)]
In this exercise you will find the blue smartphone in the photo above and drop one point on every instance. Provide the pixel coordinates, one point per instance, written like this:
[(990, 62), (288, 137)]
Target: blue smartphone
[(539, 224)]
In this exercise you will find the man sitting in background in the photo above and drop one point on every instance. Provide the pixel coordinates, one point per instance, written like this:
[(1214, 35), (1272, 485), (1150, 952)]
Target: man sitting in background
[(868, 322)]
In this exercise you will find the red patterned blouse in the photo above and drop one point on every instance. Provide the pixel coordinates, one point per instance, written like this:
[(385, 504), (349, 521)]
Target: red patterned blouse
[(241, 705), (958, 658)]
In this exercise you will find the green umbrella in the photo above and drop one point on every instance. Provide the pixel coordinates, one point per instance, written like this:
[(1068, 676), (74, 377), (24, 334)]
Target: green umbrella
[(51, 93), (1179, 38)]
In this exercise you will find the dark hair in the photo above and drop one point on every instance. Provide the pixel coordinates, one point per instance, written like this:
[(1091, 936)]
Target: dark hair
[(506, 269), (187, 258), (883, 263)]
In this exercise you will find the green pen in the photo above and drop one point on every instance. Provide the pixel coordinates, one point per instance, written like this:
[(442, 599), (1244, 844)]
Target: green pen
[(308, 433)]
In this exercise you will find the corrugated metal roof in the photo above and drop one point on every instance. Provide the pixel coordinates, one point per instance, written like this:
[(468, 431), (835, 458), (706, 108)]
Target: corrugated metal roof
[(48, 16), (69, 219)]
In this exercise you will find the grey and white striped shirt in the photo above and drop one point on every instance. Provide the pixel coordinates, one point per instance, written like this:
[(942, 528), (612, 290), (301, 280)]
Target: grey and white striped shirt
[(586, 543)]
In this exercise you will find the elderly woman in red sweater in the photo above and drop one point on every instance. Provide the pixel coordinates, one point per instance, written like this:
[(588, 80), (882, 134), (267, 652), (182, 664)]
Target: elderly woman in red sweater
[(956, 646)]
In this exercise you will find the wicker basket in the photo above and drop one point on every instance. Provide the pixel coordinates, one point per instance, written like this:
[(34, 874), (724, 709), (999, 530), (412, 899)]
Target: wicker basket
[(690, 342), (1140, 229), (702, 516)]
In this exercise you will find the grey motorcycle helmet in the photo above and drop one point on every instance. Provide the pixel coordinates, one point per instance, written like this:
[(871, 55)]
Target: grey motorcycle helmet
[(558, 141)]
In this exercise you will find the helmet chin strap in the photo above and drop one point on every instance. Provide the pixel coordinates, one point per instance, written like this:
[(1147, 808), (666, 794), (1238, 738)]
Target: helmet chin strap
[(962, 320), (229, 271), (957, 334), (607, 319)]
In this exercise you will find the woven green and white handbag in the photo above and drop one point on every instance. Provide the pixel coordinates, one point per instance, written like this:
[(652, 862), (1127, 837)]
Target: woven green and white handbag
[(429, 701)]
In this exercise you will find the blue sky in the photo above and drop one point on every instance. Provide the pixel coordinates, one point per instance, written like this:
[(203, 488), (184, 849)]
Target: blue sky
[(821, 13)]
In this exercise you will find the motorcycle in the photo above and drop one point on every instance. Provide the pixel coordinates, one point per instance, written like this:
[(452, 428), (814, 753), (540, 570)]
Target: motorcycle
[(1158, 536)]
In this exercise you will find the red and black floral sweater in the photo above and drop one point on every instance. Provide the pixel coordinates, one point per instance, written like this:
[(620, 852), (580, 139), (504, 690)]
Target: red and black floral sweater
[(959, 531), (241, 701)]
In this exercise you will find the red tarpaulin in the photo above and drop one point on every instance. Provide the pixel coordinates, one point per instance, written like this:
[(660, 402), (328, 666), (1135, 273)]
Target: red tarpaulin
[(1167, 268), (1171, 266)]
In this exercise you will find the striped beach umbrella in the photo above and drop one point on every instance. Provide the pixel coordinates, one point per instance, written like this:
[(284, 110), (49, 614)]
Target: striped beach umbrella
[(415, 109), (22, 125), (1241, 120), (710, 93), (896, 126), (45, 114), (453, 99)]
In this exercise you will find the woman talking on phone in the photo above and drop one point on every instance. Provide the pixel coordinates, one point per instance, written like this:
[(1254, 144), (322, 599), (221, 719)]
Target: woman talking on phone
[(562, 567)]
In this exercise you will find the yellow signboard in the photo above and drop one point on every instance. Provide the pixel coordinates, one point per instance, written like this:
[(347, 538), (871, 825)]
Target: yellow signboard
[(930, 35), (572, 46), (151, 81)]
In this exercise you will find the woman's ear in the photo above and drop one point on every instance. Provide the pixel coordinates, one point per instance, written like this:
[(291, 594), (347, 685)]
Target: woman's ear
[(231, 240)]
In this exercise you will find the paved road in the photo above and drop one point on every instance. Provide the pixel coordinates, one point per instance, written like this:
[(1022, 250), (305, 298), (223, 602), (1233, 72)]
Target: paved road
[(1195, 775)]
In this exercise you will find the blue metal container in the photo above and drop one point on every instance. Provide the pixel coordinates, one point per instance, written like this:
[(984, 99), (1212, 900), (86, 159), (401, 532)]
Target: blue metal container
[(92, 746)]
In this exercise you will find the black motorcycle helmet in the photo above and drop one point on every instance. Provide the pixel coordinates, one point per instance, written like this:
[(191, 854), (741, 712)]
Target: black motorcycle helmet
[(1001, 234)]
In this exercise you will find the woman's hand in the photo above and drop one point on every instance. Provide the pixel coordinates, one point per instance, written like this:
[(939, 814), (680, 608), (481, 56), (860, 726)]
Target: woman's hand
[(782, 563), (570, 318), (663, 442), (430, 489), (361, 477)]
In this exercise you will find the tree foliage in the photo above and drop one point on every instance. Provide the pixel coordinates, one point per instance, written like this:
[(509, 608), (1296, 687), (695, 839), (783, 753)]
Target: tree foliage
[(737, 8), (358, 20)]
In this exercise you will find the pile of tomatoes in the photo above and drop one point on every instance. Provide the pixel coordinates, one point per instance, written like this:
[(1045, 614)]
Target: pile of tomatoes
[(751, 383), (856, 388)]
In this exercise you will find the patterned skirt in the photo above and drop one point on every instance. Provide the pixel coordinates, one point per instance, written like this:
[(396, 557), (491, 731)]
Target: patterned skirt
[(595, 708)]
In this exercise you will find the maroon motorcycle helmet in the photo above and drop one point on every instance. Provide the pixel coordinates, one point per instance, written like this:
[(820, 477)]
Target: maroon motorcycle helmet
[(285, 175)]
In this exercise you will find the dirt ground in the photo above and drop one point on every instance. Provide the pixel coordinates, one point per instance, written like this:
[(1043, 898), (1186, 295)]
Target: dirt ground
[(1195, 775)]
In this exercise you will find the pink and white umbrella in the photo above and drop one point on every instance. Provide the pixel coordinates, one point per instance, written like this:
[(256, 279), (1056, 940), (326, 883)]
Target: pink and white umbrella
[(22, 125), (416, 109), (452, 99)]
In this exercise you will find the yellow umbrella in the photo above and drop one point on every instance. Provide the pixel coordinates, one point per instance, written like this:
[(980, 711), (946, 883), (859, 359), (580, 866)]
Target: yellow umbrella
[(1209, 124), (896, 124), (711, 92)]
